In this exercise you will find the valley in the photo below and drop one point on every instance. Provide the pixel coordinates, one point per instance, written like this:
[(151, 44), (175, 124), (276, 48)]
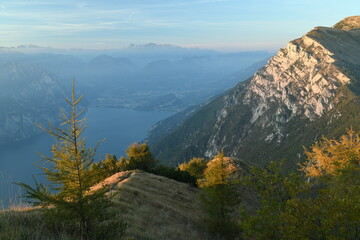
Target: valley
[(34, 80)]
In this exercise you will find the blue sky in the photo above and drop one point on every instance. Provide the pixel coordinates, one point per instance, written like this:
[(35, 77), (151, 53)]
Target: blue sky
[(225, 25)]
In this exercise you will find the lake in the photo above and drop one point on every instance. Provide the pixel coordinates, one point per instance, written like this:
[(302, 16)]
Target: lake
[(119, 128)]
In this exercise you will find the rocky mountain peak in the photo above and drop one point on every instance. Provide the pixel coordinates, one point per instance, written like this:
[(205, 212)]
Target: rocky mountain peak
[(275, 112), (348, 23), (300, 82), (301, 78)]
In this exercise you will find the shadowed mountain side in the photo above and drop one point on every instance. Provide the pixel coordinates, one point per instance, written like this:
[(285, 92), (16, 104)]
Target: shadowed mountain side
[(162, 128), (28, 94)]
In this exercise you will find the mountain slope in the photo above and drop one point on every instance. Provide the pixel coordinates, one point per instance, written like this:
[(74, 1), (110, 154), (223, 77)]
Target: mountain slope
[(348, 23), (163, 127), (28, 94), (308, 89), (156, 207), (153, 207)]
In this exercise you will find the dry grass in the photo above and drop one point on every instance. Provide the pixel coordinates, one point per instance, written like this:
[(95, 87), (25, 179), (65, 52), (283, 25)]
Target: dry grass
[(156, 207), (28, 224), (153, 206)]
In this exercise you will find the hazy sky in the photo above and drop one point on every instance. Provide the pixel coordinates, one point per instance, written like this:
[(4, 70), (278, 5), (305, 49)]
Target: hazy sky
[(218, 24)]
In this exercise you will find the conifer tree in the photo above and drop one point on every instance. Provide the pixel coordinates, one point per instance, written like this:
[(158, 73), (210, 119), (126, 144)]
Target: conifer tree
[(333, 165), (105, 168), (331, 157), (219, 196), (274, 190), (139, 157), (195, 167), (69, 194), (321, 203)]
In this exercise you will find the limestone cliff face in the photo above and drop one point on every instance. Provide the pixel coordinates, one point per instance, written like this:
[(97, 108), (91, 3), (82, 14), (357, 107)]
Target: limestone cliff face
[(299, 87), (29, 95), (299, 81), (302, 81)]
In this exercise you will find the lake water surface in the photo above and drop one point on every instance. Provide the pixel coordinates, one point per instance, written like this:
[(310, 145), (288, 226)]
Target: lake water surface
[(119, 128)]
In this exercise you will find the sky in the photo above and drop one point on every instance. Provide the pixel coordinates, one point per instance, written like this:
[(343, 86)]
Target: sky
[(224, 25)]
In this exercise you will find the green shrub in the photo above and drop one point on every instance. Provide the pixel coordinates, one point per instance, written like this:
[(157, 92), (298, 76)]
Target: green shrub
[(139, 157), (196, 167), (173, 173)]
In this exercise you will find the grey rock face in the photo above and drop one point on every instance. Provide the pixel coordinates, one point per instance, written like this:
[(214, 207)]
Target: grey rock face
[(300, 81)]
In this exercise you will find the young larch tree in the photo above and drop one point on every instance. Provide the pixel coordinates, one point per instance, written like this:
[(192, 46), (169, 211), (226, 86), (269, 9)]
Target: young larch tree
[(69, 193)]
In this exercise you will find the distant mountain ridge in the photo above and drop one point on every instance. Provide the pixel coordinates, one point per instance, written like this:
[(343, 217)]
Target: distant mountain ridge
[(30, 48), (29, 94), (308, 89), (32, 81), (152, 46)]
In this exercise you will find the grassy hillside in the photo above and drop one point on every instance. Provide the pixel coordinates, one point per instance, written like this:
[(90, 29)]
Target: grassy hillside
[(154, 207)]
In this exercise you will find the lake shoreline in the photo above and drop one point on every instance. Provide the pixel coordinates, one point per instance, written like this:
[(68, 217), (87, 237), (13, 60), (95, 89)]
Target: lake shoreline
[(120, 128)]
